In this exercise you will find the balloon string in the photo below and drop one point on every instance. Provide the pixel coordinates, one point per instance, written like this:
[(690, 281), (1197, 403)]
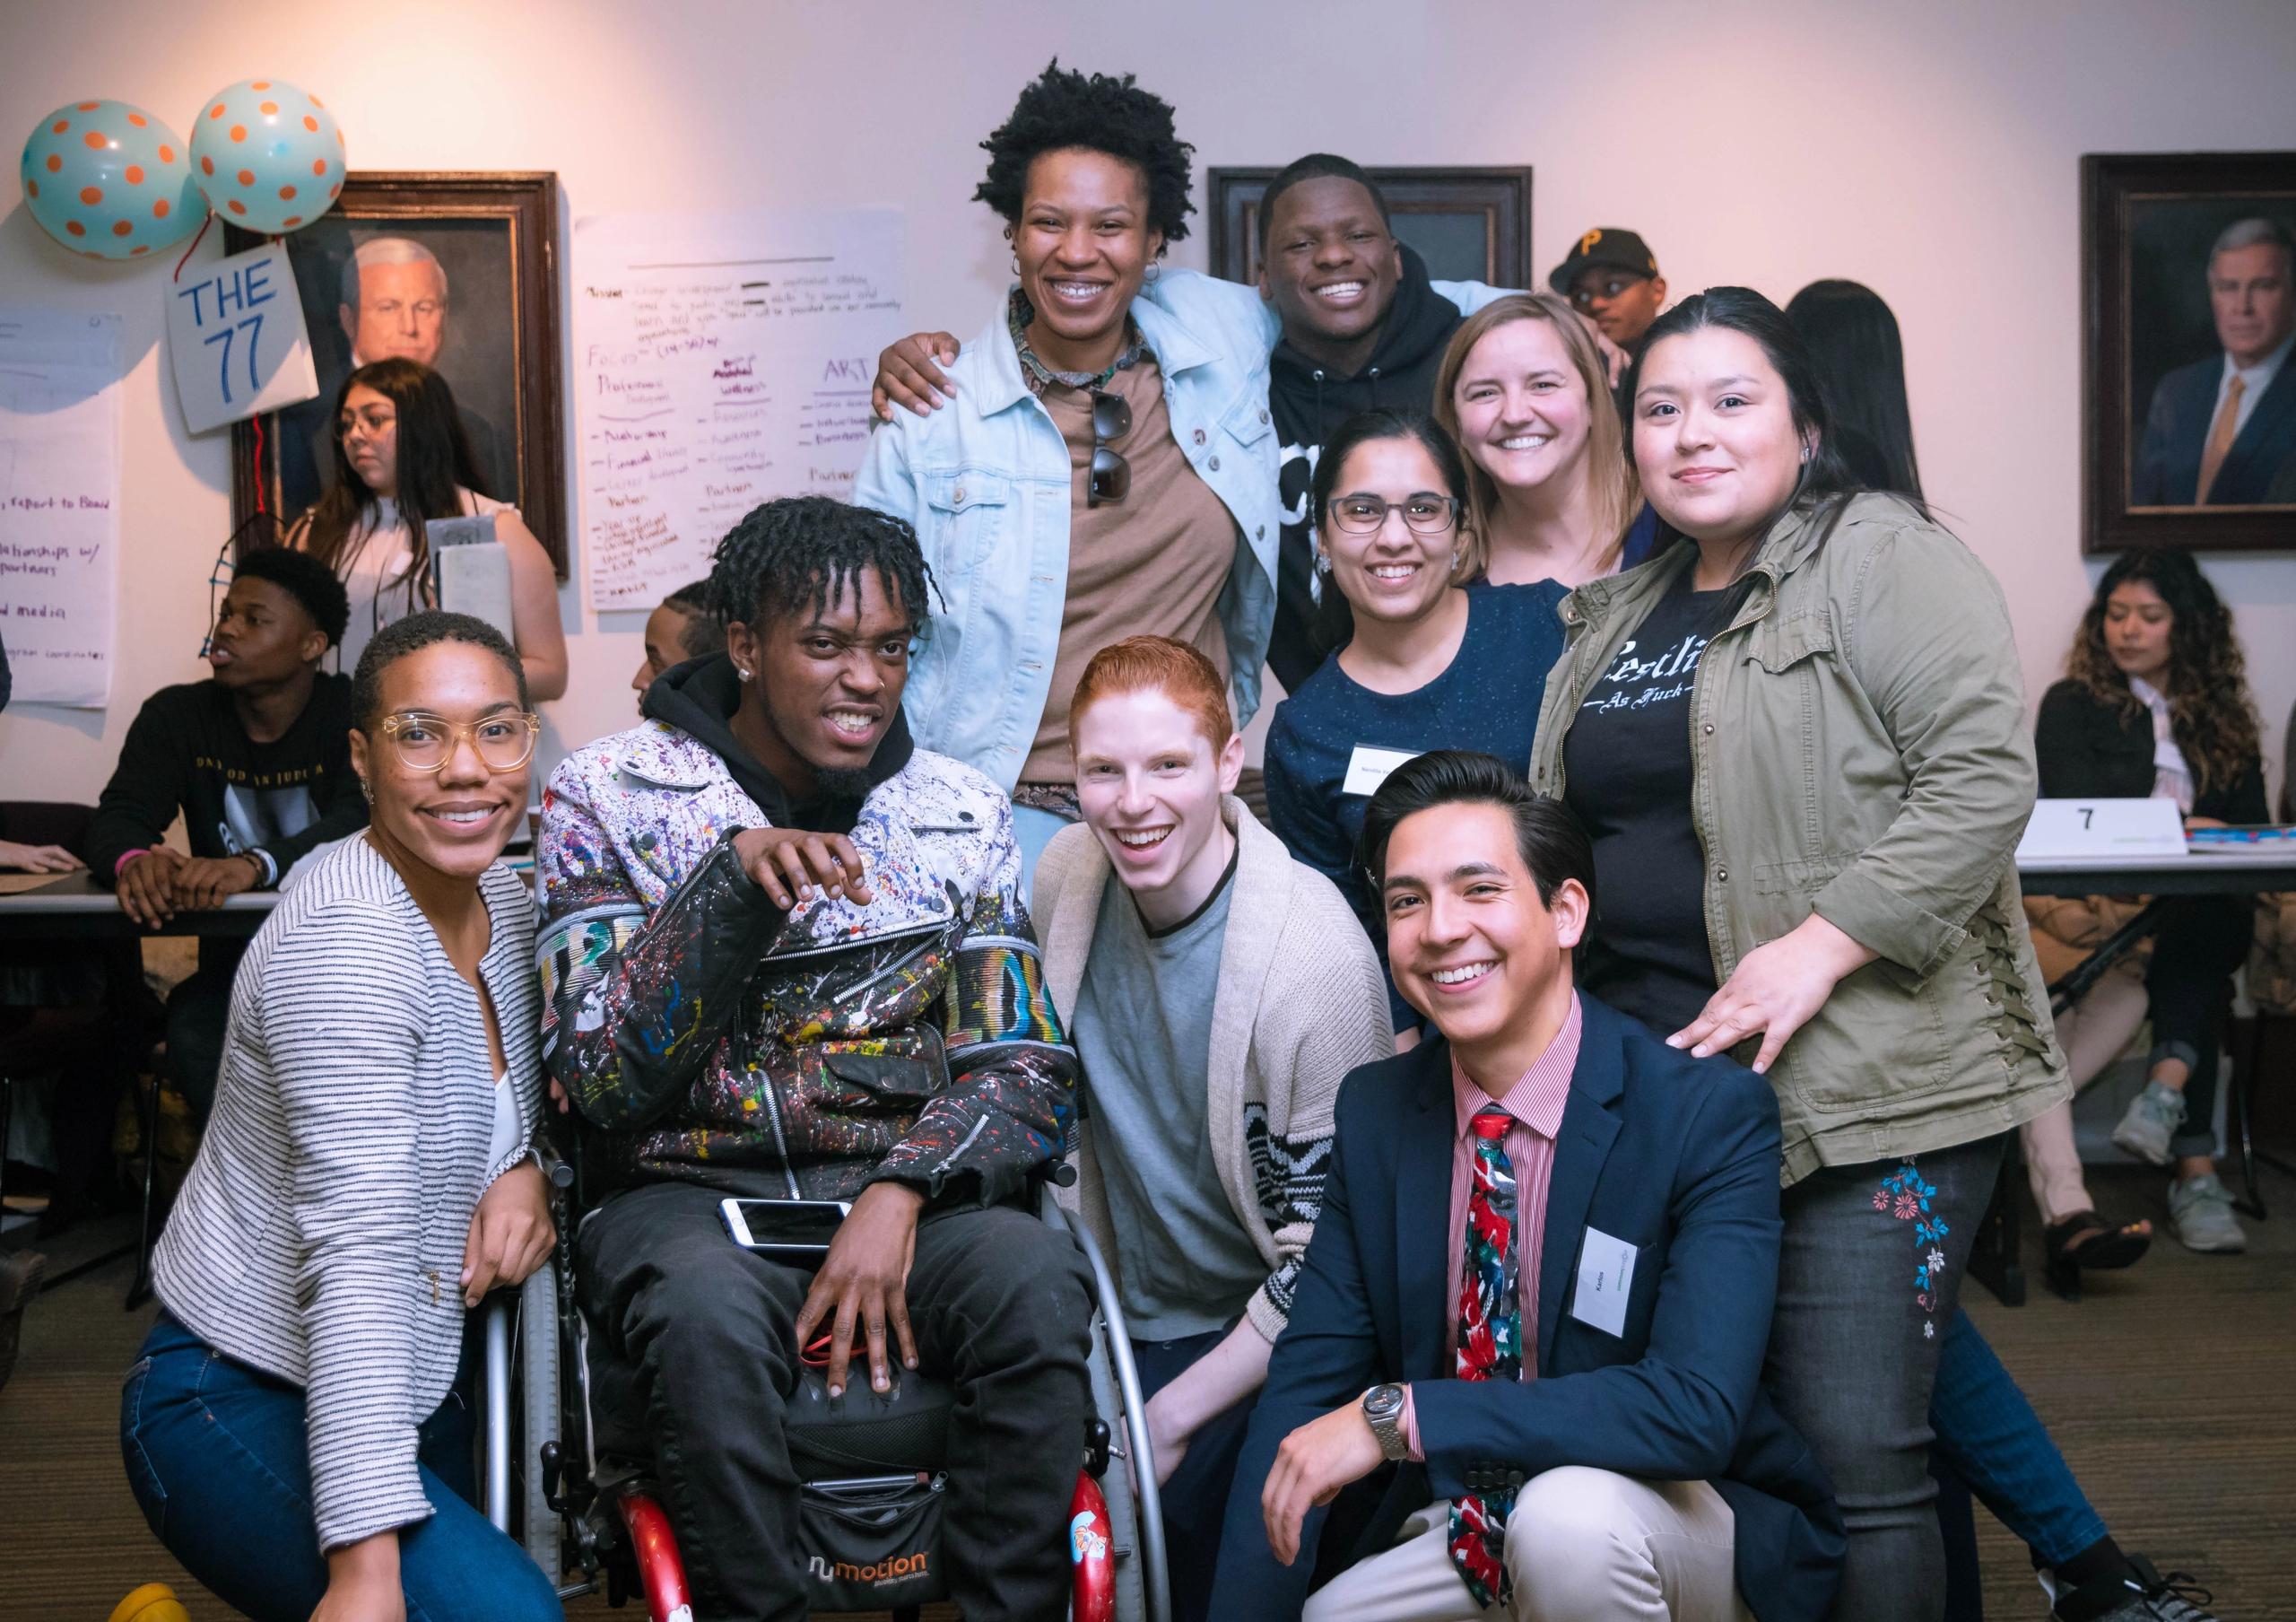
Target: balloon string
[(195, 242), (257, 420)]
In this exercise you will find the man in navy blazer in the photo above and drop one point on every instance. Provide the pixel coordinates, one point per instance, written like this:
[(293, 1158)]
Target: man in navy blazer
[(1651, 1477), (2246, 396)]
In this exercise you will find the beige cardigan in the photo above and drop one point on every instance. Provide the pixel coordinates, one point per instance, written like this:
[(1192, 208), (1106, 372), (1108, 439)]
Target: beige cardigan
[(1301, 1002)]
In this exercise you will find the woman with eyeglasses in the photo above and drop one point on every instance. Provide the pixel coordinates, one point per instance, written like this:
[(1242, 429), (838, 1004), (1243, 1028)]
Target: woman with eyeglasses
[(1107, 468), (401, 459), (294, 1430), (1431, 664)]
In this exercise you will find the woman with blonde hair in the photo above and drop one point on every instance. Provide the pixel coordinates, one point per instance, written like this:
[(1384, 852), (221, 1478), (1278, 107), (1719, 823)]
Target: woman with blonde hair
[(1524, 393)]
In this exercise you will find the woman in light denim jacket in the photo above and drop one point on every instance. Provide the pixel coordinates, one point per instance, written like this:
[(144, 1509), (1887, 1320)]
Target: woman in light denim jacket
[(1077, 391)]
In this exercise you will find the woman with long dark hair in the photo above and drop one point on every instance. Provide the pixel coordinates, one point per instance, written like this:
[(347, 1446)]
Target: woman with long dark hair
[(1988, 1439), (1852, 336), (400, 459), (2154, 704), (1799, 745)]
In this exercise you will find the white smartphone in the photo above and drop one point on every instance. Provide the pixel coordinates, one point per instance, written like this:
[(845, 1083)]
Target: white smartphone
[(799, 1229)]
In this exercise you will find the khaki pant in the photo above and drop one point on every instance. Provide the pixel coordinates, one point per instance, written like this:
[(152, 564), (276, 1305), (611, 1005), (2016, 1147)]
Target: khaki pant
[(1580, 1544)]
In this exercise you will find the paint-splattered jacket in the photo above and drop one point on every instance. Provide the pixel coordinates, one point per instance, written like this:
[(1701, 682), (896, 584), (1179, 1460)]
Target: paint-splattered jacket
[(713, 1038)]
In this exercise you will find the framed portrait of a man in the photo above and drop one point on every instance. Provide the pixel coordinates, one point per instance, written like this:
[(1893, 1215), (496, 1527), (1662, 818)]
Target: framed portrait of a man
[(2190, 322), (459, 272)]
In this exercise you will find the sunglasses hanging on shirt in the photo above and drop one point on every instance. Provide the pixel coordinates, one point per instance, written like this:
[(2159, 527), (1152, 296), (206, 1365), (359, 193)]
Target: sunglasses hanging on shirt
[(1111, 475)]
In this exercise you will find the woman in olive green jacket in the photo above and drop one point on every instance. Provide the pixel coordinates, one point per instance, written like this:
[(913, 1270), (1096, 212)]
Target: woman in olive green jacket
[(1800, 746)]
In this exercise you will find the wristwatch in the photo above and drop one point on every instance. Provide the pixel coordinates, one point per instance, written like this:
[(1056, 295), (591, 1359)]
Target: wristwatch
[(1383, 1411)]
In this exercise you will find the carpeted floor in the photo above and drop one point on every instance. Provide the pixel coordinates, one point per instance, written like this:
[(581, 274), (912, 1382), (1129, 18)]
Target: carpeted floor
[(2171, 1388)]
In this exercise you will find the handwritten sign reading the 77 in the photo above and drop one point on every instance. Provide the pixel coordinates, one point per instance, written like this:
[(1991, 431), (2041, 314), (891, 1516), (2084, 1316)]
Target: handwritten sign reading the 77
[(235, 332)]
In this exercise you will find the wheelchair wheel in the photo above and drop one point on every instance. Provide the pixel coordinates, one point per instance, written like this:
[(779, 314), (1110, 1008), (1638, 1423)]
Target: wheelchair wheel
[(1136, 1518), (539, 1526)]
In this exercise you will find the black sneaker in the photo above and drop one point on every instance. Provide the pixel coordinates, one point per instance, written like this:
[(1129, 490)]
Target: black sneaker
[(20, 1272), (2141, 1594)]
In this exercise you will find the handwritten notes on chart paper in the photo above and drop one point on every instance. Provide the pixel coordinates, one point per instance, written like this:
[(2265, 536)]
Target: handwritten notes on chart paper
[(60, 502), (723, 361)]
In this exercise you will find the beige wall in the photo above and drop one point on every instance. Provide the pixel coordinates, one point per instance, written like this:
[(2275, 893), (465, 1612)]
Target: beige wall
[(1929, 151)]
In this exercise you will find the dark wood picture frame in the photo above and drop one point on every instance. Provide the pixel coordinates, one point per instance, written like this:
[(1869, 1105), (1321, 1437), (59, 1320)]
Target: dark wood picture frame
[(2147, 223), (1501, 199), (524, 205)]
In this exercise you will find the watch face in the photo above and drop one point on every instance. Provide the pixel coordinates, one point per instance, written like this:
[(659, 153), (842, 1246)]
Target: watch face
[(1382, 1400)]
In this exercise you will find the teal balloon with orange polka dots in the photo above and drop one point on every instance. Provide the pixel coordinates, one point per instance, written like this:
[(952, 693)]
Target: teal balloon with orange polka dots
[(111, 181), (267, 156)]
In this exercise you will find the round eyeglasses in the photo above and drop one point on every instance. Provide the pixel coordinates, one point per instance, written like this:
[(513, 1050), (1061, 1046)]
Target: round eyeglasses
[(424, 742), (1425, 513)]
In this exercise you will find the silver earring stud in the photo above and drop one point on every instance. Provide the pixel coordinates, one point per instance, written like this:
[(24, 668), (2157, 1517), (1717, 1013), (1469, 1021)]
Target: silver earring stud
[(741, 673)]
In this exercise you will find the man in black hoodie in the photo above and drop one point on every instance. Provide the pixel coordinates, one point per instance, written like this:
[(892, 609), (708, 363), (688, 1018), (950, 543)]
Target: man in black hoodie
[(1364, 328)]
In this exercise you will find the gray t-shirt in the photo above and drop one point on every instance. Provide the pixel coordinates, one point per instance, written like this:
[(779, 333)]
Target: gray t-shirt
[(1142, 1028)]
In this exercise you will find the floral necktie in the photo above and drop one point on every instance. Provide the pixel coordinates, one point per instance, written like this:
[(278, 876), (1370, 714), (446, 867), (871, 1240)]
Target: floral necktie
[(1491, 1345)]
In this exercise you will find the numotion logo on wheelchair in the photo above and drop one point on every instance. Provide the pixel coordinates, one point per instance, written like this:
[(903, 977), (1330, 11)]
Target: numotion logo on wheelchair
[(896, 1568)]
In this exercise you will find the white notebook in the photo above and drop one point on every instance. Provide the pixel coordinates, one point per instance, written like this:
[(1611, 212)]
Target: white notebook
[(470, 569)]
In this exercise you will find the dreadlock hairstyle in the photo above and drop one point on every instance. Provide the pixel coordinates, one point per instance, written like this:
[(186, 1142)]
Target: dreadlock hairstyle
[(1061, 111), (703, 632), (434, 457), (2211, 711), (799, 553)]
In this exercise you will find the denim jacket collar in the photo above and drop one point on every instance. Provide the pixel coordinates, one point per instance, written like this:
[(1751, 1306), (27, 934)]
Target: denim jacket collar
[(1176, 348)]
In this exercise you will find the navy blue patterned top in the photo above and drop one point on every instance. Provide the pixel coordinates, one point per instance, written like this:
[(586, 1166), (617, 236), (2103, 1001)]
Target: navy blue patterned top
[(1487, 700)]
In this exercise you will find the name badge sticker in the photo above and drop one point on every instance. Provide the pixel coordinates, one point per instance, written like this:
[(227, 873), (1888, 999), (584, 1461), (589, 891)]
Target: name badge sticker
[(1606, 1277), (1367, 768)]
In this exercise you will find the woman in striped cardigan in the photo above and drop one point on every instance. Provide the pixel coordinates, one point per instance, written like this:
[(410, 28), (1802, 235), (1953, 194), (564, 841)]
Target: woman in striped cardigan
[(294, 1430)]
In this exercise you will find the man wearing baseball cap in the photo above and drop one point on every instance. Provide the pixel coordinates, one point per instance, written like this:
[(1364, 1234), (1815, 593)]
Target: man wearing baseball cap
[(1612, 278)]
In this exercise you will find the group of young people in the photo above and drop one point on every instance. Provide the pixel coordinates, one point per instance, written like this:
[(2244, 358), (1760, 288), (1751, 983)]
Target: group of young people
[(1637, 870)]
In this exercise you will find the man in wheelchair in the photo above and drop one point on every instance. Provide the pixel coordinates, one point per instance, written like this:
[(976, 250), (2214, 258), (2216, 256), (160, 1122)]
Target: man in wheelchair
[(785, 956)]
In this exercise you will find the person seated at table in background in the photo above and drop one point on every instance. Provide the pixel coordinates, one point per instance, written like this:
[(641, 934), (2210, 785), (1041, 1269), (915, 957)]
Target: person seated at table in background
[(402, 458), (2154, 703), (1432, 663), (1526, 395), (785, 955), (291, 1430), (1216, 991), (1563, 1355), (680, 628), (258, 759), (1106, 468)]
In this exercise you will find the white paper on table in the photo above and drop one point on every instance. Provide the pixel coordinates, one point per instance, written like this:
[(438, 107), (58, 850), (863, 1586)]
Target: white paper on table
[(60, 502), (236, 336), (722, 360), (2078, 830)]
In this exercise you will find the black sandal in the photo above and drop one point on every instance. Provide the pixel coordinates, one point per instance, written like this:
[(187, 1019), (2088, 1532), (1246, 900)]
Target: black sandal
[(2105, 1247)]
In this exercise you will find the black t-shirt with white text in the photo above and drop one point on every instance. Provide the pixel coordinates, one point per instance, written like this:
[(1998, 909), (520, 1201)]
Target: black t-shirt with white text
[(1628, 777)]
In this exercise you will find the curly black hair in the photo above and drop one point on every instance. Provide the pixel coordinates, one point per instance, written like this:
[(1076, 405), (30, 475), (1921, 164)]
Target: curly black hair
[(307, 581), (1061, 111), (797, 553)]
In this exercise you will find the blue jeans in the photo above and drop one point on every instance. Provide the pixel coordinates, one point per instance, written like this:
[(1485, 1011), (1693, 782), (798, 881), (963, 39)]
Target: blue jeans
[(1033, 830), (218, 1460), (1991, 1438)]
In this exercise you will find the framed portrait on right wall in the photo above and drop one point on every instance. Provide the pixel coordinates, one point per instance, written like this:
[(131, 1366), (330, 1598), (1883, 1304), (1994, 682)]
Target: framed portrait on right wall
[(2188, 293)]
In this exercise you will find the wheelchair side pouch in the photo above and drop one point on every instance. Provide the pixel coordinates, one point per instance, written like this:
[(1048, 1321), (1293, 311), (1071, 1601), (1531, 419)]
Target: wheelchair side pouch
[(873, 1544)]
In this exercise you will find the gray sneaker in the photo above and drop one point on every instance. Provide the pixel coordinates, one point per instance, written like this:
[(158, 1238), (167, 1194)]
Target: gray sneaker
[(2152, 1119), (2142, 1595), (2201, 1207)]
